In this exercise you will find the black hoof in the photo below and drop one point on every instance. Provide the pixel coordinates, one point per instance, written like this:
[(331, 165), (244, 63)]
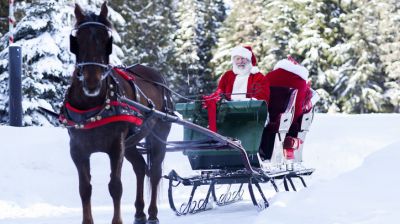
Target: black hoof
[(153, 221), (141, 220)]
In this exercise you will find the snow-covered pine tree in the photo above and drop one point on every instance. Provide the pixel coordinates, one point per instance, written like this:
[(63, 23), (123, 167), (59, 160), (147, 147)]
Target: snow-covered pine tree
[(185, 79), (194, 39), (361, 85), (246, 25), (43, 36), (389, 13), (214, 14), (283, 25), (147, 34), (321, 46)]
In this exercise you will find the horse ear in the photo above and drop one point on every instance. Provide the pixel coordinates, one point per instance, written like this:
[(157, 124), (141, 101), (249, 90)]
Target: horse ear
[(79, 15), (104, 10)]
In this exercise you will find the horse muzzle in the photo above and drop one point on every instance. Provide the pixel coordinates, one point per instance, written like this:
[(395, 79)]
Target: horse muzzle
[(91, 91)]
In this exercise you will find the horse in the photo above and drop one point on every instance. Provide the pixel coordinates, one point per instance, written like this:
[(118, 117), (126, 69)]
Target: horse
[(98, 121)]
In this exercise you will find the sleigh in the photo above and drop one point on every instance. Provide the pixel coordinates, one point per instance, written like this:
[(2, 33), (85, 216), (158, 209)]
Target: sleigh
[(250, 150)]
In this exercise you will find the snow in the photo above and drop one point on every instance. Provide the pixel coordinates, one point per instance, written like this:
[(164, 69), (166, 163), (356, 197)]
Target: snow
[(355, 180)]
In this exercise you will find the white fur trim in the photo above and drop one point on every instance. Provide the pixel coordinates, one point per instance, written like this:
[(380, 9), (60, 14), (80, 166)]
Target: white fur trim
[(239, 89), (293, 68), (241, 51), (254, 70)]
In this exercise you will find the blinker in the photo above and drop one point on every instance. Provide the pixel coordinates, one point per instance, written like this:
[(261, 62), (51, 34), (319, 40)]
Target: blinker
[(74, 46)]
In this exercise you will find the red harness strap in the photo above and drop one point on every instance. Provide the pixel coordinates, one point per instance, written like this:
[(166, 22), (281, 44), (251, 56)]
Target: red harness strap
[(101, 115), (111, 111), (127, 76)]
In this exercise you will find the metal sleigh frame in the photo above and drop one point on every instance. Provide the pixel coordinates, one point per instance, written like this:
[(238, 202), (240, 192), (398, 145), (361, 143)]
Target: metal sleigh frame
[(250, 175)]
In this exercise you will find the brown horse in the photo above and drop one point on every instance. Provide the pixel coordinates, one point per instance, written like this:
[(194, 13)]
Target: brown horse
[(98, 122)]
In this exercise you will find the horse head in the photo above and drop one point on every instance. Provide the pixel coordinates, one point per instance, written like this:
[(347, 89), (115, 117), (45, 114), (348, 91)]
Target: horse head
[(91, 42)]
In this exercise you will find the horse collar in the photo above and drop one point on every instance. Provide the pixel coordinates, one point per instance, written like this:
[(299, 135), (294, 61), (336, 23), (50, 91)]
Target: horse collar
[(111, 111)]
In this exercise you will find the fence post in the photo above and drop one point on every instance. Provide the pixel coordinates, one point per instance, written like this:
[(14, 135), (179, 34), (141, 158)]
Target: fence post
[(15, 86)]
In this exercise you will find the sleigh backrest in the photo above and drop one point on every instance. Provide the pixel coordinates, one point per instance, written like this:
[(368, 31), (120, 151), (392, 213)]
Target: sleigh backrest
[(281, 111)]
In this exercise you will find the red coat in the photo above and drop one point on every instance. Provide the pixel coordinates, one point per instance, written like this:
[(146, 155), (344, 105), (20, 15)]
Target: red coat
[(255, 85), (283, 78)]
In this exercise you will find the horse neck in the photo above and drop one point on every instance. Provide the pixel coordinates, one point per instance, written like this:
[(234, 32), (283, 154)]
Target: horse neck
[(78, 99)]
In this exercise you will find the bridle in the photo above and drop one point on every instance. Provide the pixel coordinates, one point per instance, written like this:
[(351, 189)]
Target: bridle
[(74, 48)]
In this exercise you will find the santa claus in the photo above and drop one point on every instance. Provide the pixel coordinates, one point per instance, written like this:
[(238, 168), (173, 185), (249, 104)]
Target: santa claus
[(244, 81), (289, 73)]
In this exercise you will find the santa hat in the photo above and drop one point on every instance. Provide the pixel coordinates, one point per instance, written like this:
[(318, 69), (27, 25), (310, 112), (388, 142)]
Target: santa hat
[(246, 52), (292, 66)]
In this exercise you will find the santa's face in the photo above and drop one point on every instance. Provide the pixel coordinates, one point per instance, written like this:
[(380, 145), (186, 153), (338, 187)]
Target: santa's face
[(241, 65), (240, 61)]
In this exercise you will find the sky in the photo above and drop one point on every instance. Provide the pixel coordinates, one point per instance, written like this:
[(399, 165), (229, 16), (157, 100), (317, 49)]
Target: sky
[(356, 181)]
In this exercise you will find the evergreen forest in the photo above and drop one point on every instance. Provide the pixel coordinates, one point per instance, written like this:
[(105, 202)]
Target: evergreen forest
[(350, 47)]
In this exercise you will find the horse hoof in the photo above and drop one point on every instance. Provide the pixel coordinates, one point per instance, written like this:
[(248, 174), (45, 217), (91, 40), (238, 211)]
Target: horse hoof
[(153, 221), (141, 220)]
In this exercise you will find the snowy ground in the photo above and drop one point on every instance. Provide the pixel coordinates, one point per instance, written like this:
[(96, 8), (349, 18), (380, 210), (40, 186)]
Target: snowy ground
[(355, 182)]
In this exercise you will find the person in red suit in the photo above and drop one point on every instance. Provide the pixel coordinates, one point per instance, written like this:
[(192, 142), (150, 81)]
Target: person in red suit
[(289, 73), (244, 81)]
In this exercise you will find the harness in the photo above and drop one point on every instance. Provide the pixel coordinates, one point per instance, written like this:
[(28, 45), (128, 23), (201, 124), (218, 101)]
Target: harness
[(111, 111)]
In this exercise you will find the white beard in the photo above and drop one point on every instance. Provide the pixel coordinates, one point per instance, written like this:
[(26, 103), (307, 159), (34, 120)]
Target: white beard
[(242, 71), (240, 85)]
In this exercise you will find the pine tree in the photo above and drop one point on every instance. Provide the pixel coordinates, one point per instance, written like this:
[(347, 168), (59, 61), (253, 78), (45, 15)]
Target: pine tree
[(195, 38), (321, 45), (214, 15), (281, 34), (147, 34), (361, 87), (389, 13), (42, 34), (245, 25)]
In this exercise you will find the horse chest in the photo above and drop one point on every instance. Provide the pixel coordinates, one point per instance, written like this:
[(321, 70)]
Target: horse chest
[(101, 139)]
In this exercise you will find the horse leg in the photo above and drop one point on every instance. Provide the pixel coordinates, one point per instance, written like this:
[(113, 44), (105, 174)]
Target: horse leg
[(139, 166), (157, 150), (85, 188), (115, 185), (155, 176)]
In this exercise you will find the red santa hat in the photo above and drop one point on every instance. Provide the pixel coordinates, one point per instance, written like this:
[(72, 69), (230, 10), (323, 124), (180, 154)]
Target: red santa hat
[(292, 66), (246, 52)]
